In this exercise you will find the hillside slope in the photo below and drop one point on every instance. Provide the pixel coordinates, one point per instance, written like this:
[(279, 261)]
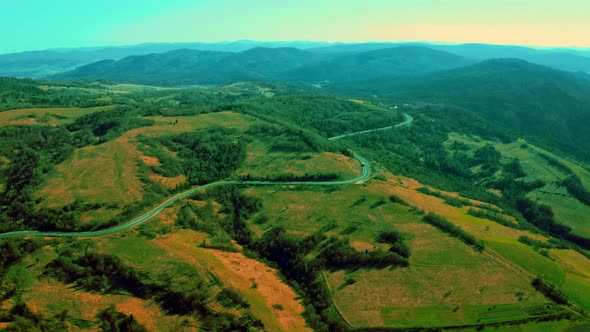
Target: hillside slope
[(534, 100)]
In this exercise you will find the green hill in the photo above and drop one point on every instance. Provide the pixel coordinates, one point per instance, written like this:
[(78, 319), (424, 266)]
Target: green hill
[(549, 105), (401, 61)]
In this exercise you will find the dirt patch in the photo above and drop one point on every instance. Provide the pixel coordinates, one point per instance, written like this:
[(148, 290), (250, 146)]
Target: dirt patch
[(362, 246), (169, 183), (148, 314), (168, 216), (150, 161)]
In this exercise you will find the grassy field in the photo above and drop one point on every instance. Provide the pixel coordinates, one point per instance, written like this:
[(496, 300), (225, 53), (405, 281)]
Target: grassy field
[(577, 275), (40, 295), (567, 209), (351, 210), (175, 255), (105, 90), (447, 283), (202, 121), (108, 173), (258, 283), (178, 254), (105, 173), (45, 116), (503, 246), (577, 325), (462, 286), (260, 163)]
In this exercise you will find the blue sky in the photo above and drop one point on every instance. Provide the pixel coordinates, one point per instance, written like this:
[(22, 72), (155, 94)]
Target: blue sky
[(36, 24)]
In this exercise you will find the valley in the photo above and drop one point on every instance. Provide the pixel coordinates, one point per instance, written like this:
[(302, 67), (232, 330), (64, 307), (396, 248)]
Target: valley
[(371, 205)]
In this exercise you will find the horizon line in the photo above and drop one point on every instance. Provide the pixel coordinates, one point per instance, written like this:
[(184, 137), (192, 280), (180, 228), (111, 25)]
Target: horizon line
[(330, 43)]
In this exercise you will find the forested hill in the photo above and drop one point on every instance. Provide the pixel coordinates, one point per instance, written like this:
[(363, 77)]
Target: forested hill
[(186, 67), (536, 101), (401, 60)]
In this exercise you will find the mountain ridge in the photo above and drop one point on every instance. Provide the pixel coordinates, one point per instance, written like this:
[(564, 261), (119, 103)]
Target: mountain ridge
[(275, 64), (44, 63)]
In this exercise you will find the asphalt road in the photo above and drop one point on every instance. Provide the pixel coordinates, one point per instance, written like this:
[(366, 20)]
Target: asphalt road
[(408, 119), (365, 174)]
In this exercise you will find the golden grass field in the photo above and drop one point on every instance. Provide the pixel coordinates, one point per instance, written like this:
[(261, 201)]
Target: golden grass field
[(108, 173), (41, 295), (45, 116), (241, 273), (177, 252), (261, 163)]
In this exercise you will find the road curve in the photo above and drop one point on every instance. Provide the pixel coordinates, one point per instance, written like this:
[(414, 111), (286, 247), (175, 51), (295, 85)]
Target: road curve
[(365, 174), (408, 119)]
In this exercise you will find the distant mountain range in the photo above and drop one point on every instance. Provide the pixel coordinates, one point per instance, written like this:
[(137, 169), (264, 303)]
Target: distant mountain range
[(400, 61), (184, 67), (192, 67), (42, 64)]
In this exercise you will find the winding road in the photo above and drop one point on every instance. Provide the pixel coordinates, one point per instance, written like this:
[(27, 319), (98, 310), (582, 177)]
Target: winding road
[(365, 174), (408, 119)]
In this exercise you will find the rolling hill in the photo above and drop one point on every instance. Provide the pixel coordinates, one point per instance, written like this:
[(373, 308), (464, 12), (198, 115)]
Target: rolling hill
[(551, 105), (401, 61), (558, 58), (178, 65), (562, 59)]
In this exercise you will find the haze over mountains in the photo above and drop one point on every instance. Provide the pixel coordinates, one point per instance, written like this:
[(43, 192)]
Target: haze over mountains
[(277, 64), (43, 63), (339, 56)]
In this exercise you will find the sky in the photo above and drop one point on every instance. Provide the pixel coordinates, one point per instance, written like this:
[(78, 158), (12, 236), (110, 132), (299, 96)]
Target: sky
[(43, 24)]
